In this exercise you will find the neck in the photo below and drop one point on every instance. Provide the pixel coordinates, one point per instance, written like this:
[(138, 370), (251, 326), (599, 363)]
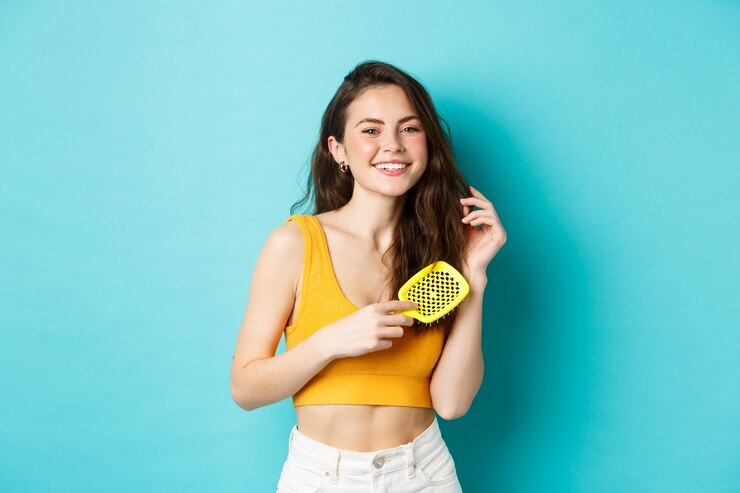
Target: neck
[(373, 217)]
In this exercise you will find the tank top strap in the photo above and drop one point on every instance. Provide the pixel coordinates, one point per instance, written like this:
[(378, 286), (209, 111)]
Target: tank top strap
[(316, 247), (317, 277), (308, 239)]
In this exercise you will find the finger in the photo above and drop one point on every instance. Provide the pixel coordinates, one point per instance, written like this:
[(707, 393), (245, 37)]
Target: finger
[(399, 319), (479, 220), (392, 320), (487, 219), (495, 226), (480, 196), (476, 214), (396, 305), (477, 201), (487, 206), (392, 331), (383, 344)]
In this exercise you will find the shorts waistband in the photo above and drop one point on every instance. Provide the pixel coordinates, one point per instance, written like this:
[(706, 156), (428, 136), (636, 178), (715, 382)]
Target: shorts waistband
[(334, 461)]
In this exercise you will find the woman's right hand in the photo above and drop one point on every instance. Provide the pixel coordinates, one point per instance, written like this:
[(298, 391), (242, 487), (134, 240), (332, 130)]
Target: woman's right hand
[(368, 329)]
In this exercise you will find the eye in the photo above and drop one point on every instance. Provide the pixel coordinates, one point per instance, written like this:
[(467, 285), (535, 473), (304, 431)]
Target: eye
[(367, 130), (412, 128)]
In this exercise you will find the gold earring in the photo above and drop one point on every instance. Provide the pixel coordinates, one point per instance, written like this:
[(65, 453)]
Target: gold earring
[(343, 167)]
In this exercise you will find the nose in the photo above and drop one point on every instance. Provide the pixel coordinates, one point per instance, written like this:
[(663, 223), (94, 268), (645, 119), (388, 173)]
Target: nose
[(393, 143)]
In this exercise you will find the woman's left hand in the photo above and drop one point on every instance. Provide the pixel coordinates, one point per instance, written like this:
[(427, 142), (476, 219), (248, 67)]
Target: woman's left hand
[(481, 244)]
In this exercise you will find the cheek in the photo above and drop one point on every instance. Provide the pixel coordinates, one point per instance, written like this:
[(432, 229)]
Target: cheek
[(367, 148), (417, 146)]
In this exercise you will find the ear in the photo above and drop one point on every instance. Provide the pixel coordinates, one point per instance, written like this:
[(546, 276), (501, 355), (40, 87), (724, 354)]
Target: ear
[(336, 149)]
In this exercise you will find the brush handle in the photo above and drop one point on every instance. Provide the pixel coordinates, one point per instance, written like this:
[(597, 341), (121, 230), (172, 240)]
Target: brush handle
[(412, 313)]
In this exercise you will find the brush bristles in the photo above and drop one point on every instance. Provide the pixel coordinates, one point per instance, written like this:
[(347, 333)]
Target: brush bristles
[(428, 324)]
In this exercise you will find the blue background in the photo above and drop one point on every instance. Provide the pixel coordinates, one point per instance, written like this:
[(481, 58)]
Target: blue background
[(148, 149)]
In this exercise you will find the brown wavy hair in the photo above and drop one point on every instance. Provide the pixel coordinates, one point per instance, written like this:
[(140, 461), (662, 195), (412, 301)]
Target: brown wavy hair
[(429, 228)]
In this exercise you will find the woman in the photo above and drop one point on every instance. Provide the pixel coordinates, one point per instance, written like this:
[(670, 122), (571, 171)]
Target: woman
[(365, 380)]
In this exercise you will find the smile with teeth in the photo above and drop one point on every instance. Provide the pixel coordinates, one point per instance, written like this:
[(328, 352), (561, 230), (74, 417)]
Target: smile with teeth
[(391, 165)]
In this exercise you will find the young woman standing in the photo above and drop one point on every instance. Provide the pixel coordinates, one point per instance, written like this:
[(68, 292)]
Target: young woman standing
[(365, 380)]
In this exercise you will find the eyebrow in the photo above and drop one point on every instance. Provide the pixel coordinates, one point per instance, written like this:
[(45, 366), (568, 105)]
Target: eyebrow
[(381, 122)]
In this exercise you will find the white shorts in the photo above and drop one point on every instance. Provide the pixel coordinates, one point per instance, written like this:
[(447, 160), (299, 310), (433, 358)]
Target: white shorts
[(422, 465)]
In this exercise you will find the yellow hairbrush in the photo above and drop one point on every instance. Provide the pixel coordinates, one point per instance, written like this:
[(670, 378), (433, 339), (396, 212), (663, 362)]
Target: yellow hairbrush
[(436, 289)]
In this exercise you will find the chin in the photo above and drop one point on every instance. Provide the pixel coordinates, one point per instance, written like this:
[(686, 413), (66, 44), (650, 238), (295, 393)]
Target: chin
[(395, 193)]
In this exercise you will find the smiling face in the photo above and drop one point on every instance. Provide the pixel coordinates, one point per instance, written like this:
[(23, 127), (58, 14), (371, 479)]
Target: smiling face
[(382, 127)]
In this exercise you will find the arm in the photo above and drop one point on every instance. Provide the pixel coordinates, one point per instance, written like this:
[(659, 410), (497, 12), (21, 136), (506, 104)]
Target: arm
[(268, 380), (459, 371), (258, 377)]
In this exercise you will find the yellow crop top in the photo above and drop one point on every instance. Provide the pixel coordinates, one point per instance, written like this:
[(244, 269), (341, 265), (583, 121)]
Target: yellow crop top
[(397, 376)]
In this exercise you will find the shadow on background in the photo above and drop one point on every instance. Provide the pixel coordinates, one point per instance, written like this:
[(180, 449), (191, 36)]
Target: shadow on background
[(534, 393)]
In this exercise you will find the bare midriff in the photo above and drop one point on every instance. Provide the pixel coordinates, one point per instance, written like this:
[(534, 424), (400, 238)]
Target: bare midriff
[(363, 428)]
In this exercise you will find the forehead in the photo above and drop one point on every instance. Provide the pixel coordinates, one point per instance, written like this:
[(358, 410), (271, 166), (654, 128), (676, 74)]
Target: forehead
[(380, 101)]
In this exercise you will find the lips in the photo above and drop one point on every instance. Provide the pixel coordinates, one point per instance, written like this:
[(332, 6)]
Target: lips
[(392, 172)]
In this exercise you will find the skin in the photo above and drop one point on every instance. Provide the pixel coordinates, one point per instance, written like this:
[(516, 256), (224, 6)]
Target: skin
[(357, 235), (375, 206)]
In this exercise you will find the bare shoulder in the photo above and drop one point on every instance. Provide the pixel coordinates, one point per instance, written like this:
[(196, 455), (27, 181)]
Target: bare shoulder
[(286, 238), (283, 252)]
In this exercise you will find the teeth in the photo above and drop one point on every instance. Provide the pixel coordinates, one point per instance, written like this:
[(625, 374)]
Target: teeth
[(391, 165)]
